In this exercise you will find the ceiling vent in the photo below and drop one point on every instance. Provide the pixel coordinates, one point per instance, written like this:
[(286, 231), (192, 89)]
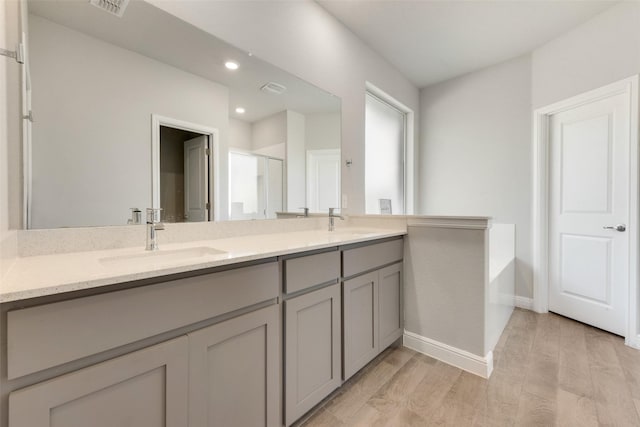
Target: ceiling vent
[(274, 88), (114, 7)]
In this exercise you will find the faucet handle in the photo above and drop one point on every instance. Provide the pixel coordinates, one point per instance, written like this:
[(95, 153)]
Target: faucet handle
[(306, 211)]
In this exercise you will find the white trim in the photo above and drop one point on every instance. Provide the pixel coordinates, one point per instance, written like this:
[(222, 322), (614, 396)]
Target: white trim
[(481, 366), (27, 127), (464, 223), (214, 159), (632, 338), (524, 302), (541, 195)]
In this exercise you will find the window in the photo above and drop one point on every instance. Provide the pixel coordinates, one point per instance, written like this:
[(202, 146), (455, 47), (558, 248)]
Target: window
[(385, 136)]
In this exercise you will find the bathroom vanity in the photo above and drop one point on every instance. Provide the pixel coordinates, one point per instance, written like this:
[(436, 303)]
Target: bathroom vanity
[(230, 339)]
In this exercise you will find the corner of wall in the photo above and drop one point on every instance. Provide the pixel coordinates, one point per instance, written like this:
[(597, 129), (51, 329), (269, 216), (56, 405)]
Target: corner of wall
[(8, 251)]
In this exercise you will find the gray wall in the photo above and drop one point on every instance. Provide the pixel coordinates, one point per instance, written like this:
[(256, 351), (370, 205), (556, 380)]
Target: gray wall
[(476, 134), (322, 131), (240, 134), (102, 163), (476, 151), (269, 135), (600, 51), (303, 39), (296, 162)]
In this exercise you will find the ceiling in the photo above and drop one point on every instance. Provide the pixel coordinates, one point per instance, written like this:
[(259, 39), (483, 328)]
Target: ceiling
[(430, 41)]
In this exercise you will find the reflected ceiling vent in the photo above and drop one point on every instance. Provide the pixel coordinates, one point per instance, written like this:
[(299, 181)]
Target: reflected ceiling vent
[(275, 88), (114, 7)]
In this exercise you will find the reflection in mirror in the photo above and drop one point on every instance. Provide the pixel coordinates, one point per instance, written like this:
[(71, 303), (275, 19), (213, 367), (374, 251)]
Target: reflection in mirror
[(255, 186), (140, 111)]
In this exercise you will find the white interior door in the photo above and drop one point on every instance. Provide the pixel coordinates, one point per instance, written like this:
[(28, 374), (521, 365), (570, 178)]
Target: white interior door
[(196, 179), (589, 190), (323, 180)]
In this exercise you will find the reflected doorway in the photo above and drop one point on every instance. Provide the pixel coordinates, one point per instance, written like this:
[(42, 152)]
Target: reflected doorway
[(184, 168), (184, 175)]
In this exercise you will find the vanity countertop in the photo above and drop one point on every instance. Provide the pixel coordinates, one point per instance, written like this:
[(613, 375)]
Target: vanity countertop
[(43, 275)]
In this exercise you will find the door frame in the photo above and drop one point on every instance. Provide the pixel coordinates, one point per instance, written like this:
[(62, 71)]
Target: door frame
[(214, 159), (541, 193)]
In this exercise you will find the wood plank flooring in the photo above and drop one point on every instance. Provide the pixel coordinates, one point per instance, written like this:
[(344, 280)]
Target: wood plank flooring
[(548, 371)]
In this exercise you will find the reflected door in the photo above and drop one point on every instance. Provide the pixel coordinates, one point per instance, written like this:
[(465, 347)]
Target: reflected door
[(323, 180), (196, 179), (589, 185)]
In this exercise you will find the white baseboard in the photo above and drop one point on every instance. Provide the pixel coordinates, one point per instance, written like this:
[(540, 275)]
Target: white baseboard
[(633, 341), (481, 366), (524, 302)]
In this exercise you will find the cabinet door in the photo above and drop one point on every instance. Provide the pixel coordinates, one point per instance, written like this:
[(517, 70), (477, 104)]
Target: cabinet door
[(390, 304), (147, 388), (360, 315), (312, 349), (234, 372)]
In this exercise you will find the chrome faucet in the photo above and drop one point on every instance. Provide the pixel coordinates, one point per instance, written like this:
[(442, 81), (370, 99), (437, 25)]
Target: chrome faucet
[(152, 227), (331, 217), (306, 213), (136, 216)]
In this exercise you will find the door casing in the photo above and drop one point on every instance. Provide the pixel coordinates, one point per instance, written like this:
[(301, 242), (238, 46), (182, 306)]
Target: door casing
[(541, 193), (214, 159)]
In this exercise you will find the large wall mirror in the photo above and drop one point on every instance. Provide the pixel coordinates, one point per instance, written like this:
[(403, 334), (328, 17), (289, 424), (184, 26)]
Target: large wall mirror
[(139, 110)]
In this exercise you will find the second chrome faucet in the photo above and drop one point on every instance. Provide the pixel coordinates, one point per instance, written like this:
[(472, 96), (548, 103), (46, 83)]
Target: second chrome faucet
[(332, 215), (153, 225)]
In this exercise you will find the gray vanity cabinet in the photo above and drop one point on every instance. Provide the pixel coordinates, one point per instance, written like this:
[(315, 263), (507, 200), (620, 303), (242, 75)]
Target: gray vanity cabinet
[(360, 297), (372, 301), (178, 372), (312, 331), (146, 388), (312, 349), (391, 326), (234, 372)]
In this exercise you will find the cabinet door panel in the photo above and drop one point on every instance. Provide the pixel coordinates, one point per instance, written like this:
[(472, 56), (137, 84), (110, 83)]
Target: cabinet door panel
[(360, 322), (147, 388), (312, 349), (390, 304), (234, 370)]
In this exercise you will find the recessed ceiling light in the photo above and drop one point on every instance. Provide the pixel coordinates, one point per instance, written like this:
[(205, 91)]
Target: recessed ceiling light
[(240, 110), (231, 65)]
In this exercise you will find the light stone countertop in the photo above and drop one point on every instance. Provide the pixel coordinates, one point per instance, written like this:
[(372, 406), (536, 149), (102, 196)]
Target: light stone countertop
[(43, 275)]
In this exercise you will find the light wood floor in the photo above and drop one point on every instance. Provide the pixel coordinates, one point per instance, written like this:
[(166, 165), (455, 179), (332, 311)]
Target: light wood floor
[(548, 370)]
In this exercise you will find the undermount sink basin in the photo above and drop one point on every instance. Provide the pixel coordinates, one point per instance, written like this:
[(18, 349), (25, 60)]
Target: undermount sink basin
[(161, 256)]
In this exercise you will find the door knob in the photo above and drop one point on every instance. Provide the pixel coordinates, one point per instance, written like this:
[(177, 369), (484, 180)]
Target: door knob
[(619, 227)]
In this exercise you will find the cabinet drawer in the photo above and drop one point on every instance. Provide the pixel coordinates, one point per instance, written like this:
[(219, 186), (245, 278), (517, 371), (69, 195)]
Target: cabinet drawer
[(358, 260), (49, 335), (304, 272)]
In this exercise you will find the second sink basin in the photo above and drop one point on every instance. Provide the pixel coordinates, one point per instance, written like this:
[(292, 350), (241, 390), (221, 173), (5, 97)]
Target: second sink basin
[(161, 256)]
